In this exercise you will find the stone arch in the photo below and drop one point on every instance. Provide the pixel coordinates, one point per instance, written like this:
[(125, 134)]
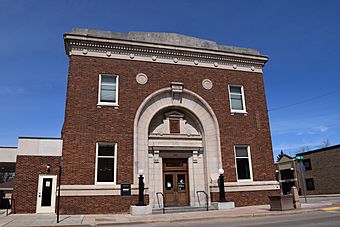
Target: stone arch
[(186, 99)]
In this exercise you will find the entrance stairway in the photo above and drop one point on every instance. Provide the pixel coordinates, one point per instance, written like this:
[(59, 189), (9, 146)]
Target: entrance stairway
[(171, 210)]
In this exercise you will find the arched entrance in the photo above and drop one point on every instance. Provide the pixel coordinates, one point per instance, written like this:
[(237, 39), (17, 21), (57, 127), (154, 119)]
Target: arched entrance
[(177, 144)]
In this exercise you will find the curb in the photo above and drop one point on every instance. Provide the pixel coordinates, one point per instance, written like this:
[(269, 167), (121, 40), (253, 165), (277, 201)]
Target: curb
[(200, 218)]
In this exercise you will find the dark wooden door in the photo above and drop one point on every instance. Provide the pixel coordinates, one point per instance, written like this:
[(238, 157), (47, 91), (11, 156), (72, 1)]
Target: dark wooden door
[(175, 178)]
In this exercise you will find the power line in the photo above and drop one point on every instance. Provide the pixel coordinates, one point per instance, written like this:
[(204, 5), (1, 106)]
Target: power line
[(304, 101)]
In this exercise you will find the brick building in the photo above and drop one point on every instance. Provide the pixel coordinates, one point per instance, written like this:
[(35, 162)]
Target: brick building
[(286, 173), (322, 168), (177, 107)]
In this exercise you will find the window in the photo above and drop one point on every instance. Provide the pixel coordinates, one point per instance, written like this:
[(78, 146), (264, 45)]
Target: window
[(237, 103), (310, 184), (174, 126), (106, 163), (243, 163), (307, 164), (108, 90), (287, 174)]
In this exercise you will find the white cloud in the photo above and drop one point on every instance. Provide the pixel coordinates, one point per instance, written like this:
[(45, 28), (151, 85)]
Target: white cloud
[(9, 90)]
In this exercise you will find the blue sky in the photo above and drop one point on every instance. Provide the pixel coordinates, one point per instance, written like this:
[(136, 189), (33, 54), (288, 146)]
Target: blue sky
[(301, 38)]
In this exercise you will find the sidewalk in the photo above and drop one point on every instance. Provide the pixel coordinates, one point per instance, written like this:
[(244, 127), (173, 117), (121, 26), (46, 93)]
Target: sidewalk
[(119, 219)]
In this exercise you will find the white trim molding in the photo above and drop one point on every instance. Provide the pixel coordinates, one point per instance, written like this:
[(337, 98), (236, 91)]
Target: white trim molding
[(248, 186), (107, 103), (85, 45), (243, 99), (114, 163), (96, 190), (249, 162)]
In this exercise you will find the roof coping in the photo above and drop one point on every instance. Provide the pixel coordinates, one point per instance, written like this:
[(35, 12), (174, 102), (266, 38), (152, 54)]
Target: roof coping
[(163, 38)]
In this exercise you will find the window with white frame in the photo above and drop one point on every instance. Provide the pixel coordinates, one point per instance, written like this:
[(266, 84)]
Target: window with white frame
[(237, 101), (108, 89), (106, 163), (243, 163)]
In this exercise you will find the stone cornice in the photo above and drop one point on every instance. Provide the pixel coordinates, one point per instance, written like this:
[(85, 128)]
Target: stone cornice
[(81, 45)]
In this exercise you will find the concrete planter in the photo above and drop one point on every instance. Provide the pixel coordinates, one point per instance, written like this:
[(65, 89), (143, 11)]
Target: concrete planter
[(140, 210), (281, 202)]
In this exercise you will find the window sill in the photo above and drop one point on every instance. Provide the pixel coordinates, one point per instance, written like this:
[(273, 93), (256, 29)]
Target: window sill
[(114, 105), (233, 112), (106, 183), (245, 180)]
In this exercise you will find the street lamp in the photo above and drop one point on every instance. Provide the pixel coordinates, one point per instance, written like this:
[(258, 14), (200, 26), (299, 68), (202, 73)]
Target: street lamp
[(221, 186), (141, 188)]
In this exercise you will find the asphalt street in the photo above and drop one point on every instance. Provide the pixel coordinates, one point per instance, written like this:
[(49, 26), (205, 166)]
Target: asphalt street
[(310, 219)]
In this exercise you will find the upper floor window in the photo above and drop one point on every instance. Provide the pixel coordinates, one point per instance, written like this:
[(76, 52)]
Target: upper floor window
[(237, 102), (307, 164), (174, 126), (108, 90), (106, 163), (243, 163), (310, 184)]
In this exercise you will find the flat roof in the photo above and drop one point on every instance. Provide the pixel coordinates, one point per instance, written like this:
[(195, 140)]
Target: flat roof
[(166, 38), (319, 150), (40, 138)]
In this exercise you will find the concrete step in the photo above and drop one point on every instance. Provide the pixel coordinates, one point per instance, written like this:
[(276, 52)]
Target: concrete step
[(171, 210)]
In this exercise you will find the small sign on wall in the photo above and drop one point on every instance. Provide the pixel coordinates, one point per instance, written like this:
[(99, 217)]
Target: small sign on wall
[(125, 189)]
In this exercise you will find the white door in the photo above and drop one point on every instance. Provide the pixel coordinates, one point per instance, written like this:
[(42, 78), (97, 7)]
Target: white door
[(47, 187)]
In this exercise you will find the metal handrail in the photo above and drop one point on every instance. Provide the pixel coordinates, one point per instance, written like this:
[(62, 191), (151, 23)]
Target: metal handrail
[(159, 205), (206, 196)]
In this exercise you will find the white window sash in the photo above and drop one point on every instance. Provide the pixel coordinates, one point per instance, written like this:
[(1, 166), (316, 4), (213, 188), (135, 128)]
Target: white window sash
[(233, 100), (114, 162), (106, 92), (249, 162)]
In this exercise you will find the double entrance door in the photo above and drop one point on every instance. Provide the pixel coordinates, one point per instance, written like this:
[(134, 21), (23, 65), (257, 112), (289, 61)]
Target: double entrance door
[(175, 178)]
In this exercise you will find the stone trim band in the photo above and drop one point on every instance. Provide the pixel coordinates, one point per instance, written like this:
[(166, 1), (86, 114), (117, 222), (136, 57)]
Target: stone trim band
[(138, 51), (109, 190)]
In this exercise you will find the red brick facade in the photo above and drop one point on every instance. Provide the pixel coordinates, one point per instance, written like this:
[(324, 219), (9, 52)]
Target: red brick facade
[(247, 198), (27, 173), (98, 204), (87, 123)]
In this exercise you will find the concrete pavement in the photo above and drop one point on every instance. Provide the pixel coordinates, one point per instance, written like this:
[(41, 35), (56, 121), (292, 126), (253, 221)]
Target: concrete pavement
[(123, 219)]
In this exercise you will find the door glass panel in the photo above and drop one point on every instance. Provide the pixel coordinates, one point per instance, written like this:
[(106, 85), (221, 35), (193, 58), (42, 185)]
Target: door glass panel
[(169, 183), (46, 192), (181, 182)]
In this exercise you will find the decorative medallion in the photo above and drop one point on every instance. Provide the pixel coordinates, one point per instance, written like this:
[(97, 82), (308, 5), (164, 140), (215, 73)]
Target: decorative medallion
[(132, 56), (215, 64), (84, 51), (252, 68), (175, 60), (154, 58), (207, 84), (141, 78), (234, 66), (108, 53), (196, 62)]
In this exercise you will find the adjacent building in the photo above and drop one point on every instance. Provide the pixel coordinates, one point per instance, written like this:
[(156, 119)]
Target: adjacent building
[(171, 107), (286, 173), (7, 174), (322, 167)]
